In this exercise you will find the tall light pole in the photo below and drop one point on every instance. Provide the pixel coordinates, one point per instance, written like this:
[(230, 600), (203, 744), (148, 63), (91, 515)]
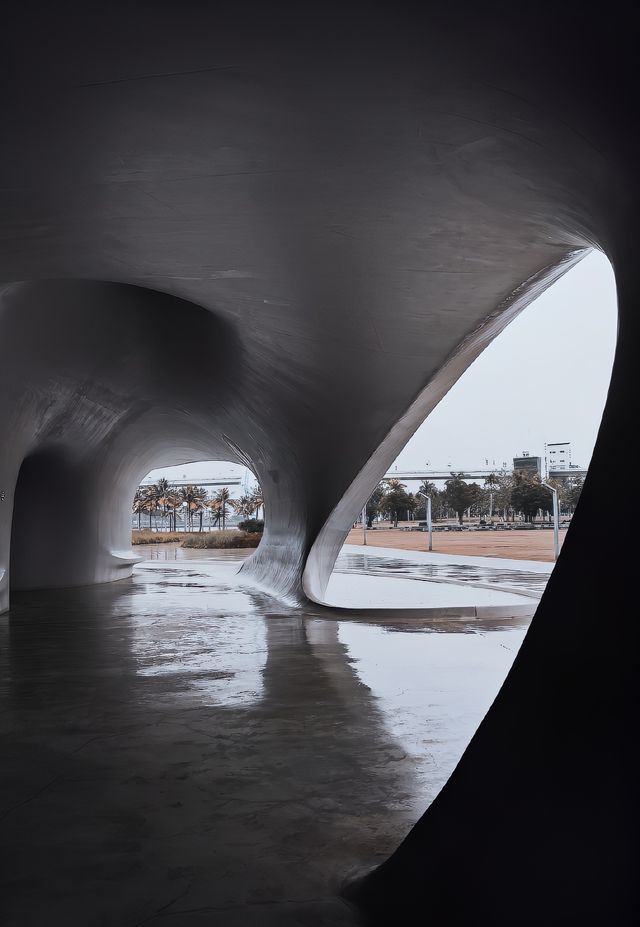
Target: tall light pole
[(556, 521), (428, 498)]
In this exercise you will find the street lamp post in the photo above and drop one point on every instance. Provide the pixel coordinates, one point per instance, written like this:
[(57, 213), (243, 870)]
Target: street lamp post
[(556, 521), (428, 498)]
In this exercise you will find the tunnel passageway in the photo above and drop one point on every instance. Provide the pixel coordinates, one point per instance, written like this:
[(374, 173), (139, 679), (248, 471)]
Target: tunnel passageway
[(266, 233)]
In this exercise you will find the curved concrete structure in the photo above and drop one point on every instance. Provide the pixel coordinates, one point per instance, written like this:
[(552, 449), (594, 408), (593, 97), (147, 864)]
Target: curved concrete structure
[(279, 237), (351, 240)]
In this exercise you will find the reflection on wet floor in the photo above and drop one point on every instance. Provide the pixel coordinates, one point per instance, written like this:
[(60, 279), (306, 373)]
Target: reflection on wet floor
[(179, 748), (175, 551), (432, 688), (482, 574)]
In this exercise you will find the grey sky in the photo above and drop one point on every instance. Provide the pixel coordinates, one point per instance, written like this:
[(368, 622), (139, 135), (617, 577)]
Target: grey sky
[(545, 378)]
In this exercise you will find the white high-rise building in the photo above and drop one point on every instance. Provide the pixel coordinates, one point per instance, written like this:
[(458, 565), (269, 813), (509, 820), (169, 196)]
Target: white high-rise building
[(557, 456)]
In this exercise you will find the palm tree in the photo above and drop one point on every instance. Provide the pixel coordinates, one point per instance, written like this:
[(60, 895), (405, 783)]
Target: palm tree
[(392, 484), (172, 501), (245, 505), (155, 496), (222, 498), (214, 506), (138, 506), (491, 485), (258, 499), (195, 498), (150, 503), (161, 492)]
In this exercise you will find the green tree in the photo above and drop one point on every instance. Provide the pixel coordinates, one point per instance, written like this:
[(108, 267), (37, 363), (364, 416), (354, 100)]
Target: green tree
[(503, 481), (569, 493), (252, 525), (573, 490), (396, 500), (461, 495), (529, 495), (428, 489), (374, 504), (437, 505)]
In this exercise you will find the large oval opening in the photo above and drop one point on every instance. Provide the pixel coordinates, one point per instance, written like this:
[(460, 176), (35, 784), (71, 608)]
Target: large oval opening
[(442, 627), (517, 428)]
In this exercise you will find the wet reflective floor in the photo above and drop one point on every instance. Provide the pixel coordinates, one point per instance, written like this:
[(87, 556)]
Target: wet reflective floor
[(478, 574), (179, 749)]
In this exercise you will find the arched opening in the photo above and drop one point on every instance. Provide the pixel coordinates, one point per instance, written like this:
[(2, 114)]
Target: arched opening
[(212, 505), (520, 422), (51, 523), (545, 377)]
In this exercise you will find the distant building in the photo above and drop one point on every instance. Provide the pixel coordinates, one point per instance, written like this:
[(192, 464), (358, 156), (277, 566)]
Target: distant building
[(557, 456), (527, 464)]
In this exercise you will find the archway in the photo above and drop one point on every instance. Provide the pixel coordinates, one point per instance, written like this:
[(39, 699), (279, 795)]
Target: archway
[(50, 524), (543, 378)]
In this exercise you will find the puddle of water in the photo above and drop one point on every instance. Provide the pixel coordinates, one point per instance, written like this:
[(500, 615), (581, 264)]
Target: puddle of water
[(220, 657), (459, 573), (432, 688)]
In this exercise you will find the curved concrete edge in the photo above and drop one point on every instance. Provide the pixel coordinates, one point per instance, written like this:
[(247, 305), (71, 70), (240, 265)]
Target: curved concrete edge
[(116, 566), (433, 613), (124, 558), (324, 551)]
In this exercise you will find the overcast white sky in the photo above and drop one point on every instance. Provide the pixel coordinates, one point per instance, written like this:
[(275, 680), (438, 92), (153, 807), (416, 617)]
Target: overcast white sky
[(545, 378)]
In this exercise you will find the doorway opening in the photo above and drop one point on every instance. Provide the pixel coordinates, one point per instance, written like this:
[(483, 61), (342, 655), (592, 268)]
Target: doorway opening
[(50, 524)]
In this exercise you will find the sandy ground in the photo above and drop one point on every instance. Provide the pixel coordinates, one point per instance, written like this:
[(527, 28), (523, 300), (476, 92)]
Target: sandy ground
[(515, 545)]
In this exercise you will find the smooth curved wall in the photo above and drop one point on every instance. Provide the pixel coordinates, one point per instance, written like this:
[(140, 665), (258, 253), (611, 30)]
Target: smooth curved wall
[(91, 399), (290, 278)]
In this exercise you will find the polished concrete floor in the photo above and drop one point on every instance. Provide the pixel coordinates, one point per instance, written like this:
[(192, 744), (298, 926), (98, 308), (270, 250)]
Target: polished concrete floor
[(179, 749)]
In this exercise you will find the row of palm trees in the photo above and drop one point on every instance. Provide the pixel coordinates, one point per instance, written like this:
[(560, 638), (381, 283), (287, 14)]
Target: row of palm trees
[(164, 500)]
